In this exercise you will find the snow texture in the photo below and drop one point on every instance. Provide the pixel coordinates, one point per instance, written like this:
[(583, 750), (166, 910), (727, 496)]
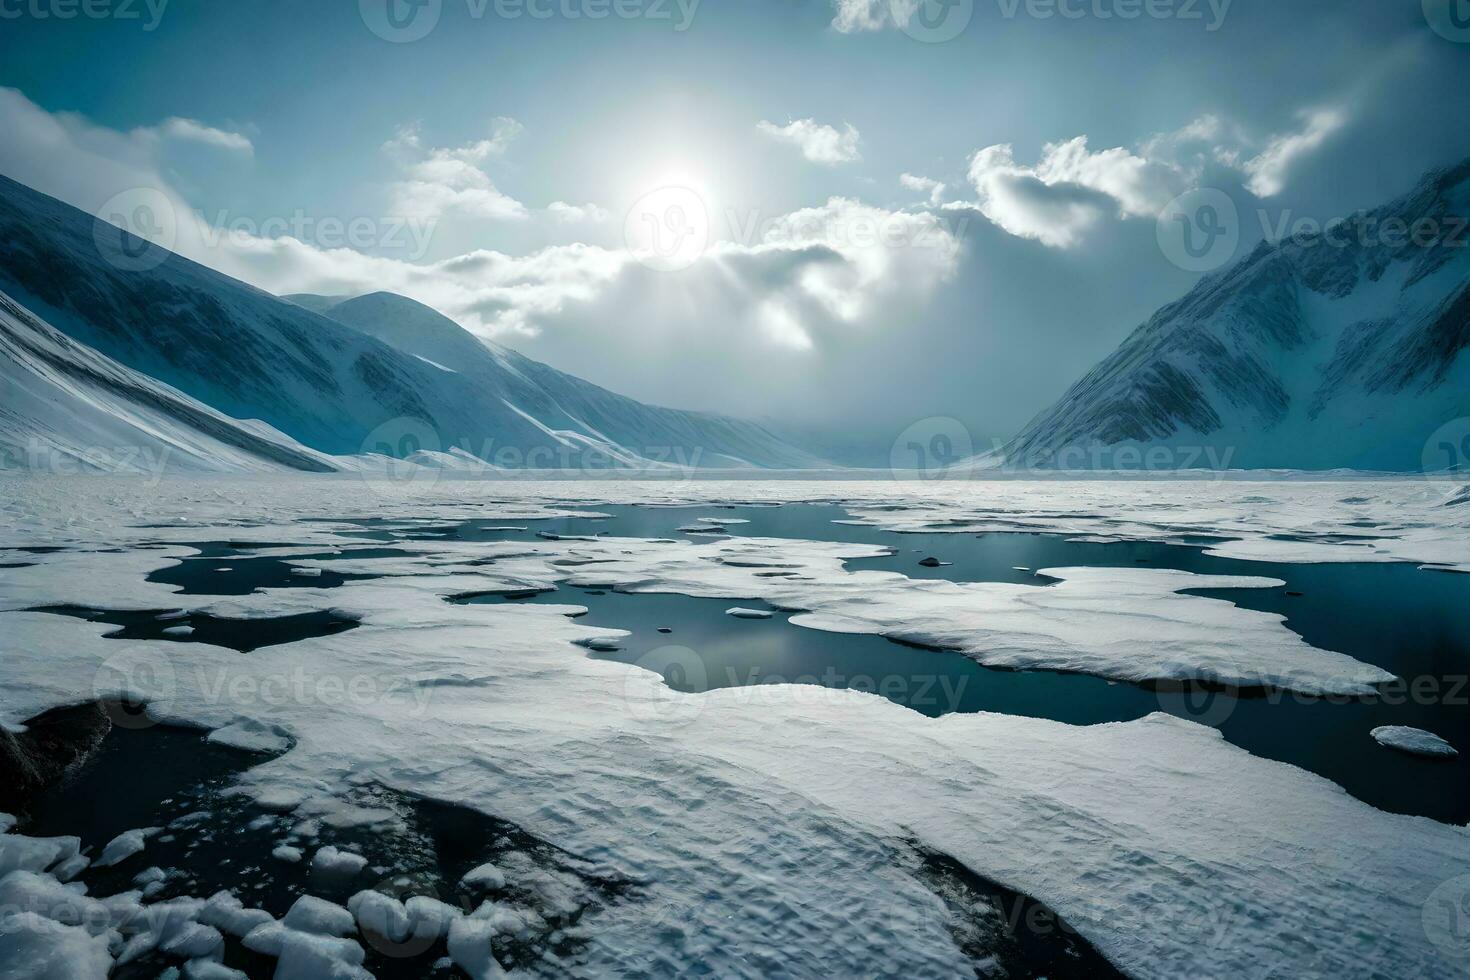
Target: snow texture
[(1415, 741), (1172, 851)]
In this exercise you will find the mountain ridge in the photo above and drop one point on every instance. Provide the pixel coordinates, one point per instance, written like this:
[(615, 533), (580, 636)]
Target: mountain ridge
[(68, 407), (1314, 352), (330, 386), (555, 398)]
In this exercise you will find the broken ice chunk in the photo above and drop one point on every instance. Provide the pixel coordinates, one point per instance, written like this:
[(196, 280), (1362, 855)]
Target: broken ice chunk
[(740, 612), (380, 915), (252, 735), (1415, 741), (337, 864), (486, 876), (319, 917), (469, 947), (125, 845)]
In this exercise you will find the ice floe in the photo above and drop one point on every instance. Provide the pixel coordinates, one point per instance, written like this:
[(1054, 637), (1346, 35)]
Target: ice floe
[(125, 845), (1415, 741), (741, 612)]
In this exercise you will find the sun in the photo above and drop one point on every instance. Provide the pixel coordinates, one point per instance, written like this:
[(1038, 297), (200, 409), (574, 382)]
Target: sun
[(670, 224)]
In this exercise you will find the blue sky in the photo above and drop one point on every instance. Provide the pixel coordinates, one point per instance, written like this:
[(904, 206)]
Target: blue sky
[(523, 144)]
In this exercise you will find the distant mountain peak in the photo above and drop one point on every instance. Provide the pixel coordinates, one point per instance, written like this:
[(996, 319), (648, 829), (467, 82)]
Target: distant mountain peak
[(1340, 348), (339, 375)]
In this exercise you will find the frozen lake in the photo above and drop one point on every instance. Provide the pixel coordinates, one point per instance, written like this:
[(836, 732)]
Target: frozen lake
[(918, 748)]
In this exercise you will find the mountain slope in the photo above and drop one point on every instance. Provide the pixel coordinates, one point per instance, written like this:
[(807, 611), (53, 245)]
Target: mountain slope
[(574, 410), (331, 387), (67, 407), (1334, 350)]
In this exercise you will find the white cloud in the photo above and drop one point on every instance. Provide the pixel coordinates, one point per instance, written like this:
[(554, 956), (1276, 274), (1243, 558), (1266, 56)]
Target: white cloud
[(1269, 170), (854, 16), (1068, 190), (573, 214), (1140, 187), (1266, 165), (1071, 188), (798, 286), (932, 189), (818, 143), (191, 130), (440, 180), (842, 260)]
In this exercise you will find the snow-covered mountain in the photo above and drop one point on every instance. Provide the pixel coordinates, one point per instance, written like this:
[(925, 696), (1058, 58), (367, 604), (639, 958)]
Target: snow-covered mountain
[(1342, 349), (574, 412), (67, 407), (335, 388)]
